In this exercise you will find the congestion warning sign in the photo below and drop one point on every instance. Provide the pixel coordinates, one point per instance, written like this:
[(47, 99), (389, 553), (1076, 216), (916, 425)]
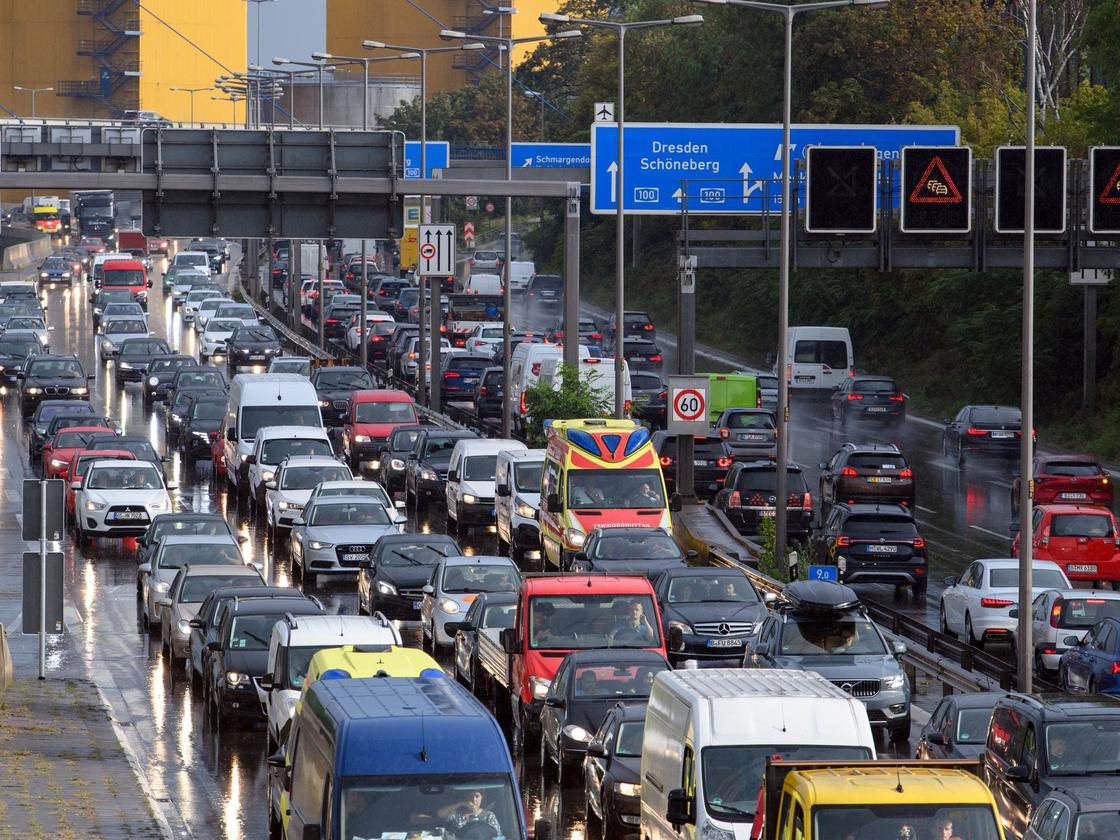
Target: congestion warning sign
[(936, 189), (1104, 196)]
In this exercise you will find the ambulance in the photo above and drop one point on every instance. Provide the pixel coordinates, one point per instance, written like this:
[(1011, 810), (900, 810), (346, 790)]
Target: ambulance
[(598, 473)]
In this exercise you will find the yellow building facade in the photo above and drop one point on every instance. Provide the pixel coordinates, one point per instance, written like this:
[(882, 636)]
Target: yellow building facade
[(349, 22), (103, 57)]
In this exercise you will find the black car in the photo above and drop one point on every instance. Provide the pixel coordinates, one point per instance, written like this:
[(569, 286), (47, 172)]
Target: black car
[(488, 402), (958, 727), (334, 385), (15, 350), (635, 324), (708, 613), (201, 421), (17, 309), (648, 398), (377, 335), (337, 319), (180, 401), (200, 376), (107, 296), (873, 543), (871, 398), (388, 292), (51, 377), (391, 471), (1037, 743), (991, 430), (748, 497), (252, 345), (588, 332), (544, 295), (426, 466), (179, 525), (392, 580), (40, 422), (398, 343), (238, 657), (1077, 812), (161, 372), (409, 297), (711, 461), (134, 356), (70, 420), (56, 270), (587, 685), (641, 354), (629, 551), (489, 611), (612, 771)]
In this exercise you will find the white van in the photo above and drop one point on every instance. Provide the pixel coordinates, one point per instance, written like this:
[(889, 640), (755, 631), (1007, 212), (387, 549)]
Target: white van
[(517, 487), (709, 731), (525, 371), (483, 284), (469, 489), (263, 399), (599, 371), (820, 357), (519, 273)]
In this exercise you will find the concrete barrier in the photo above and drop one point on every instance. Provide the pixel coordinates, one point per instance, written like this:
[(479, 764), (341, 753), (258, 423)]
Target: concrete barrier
[(23, 247)]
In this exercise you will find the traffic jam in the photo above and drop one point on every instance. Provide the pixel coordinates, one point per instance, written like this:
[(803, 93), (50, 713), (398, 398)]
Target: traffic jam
[(333, 612)]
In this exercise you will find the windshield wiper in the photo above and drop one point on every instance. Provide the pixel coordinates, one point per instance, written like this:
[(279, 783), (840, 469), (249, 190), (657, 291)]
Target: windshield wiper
[(740, 812), (408, 557), (258, 638)]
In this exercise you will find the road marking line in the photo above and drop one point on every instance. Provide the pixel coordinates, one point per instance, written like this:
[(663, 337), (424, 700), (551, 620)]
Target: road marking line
[(927, 510), (986, 531)]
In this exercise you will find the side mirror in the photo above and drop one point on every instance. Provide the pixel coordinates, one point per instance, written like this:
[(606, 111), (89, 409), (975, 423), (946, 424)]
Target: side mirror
[(1019, 773), (502, 490), (822, 466), (277, 760), (770, 599), (936, 738), (555, 702), (675, 503), (77, 485), (951, 581), (899, 648), (266, 683), (691, 554), (1013, 613), (298, 521), (428, 589), (270, 485), (173, 485), (196, 624), (250, 459), (452, 475), (508, 638), (163, 602), (679, 810), (597, 748), (89, 377), (1071, 641), (553, 501), (580, 555), (453, 627), (1013, 528), (144, 568), (231, 434), (214, 647)]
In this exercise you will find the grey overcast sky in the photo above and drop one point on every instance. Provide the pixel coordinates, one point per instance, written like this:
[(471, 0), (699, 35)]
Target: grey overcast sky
[(289, 28)]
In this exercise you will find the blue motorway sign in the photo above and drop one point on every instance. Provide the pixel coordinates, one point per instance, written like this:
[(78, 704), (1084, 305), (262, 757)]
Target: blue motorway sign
[(551, 155), (724, 168), (437, 155), (815, 572)]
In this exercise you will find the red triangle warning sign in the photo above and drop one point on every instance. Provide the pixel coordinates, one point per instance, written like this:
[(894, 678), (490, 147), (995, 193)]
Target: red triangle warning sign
[(1111, 192), (936, 186)]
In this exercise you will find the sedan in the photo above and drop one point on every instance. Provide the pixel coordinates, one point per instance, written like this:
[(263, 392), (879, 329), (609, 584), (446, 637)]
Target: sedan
[(115, 330), (191, 586), (14, 353), (629, 551), (979, 602), (958, 727), (134, 356), (66, 444), (252, 346), (215, 338), (750, 433), (1076, 479), (983, 430), (490, 613), (709, 613), (333, 535), (869, 398), (1091, 663), (194, 300), (161, 372), (1059, 614), (31, 324), (455, 584)]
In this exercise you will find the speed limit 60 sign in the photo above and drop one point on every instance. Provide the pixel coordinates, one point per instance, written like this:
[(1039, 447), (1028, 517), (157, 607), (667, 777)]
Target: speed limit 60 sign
[(688, 405)]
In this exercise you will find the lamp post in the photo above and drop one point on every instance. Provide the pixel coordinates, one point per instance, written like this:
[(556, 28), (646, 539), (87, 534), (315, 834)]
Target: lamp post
[(319, 66), (620, 28), (507, 291), (343, 60), (291, 74), (539, 97), (234, 98), (32, 91), (192, 92), (258, 2), (422, 53), (781, 515)]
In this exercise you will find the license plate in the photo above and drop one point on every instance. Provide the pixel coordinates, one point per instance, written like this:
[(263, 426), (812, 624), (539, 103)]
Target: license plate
[(767, 513), (136, 514), (417, 604), (1073, 495), (879, 479), (876, 409), (1082, 568), (882, 549), (1003, 435), (354, 558), (725, 643), (256, 357), (751, 437), (703, 463), (638, 358), (801, 378)]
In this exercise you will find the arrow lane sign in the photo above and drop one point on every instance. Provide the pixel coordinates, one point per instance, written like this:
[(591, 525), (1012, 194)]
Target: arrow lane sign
[(613, 168), (749, 187)]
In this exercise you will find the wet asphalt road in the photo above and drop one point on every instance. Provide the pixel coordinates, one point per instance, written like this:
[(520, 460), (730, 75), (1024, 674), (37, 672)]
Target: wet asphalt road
[(213, 784)]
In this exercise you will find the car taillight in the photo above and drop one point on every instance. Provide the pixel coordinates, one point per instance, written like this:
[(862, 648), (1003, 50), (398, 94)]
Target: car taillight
[(451, 374), (332, 320), (972, 430), (995, 603), (523, 407), (656, 357), (906, 473), (482, 390), (896, 398), (725, 433), (724, 462), (661, 395), (843, 542), (1055, 614), (736, 499), (918, 542), (849, 472), (377, 339), (596, 335), (666, 461), (756, 500), (460, 342), (855, 396), (627, 405), (647, 326), (1116, 667)]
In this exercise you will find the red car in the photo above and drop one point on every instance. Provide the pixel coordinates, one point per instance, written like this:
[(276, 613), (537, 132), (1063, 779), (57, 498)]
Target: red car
[(1076, 479), (79, 466), (370, 419), (1082, 539), (58, 451)]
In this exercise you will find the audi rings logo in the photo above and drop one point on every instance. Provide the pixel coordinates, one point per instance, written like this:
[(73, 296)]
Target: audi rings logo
[(724, 628), (356, 549)]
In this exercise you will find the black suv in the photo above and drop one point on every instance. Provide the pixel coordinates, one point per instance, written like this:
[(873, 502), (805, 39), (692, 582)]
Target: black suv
[(134, 356), (392, 580), (872, 398), (160, 373), (629, 551), (252, 345), (872, 543), (867, 472), (648, 398), (708, 613), (488, 403), (544, 294), (14, 353), (201, 422), (425, 470), (334, 386), (1037, 743), (635, 324), (711, 461), (748, 497), (51, 378)]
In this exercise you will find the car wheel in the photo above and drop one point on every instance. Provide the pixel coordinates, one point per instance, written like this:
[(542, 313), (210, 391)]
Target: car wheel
[(900, 732), (944, 623), (918, 590), (1092, 685), (594, 829), (548, 769), (195, 681), (969, 635)]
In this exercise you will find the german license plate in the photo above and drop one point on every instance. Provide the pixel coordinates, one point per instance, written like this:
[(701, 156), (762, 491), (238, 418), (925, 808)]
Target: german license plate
[(876, 409), (751, 437), (1083, 568), (1073, 495), (1003, 435), (877, 548), (768, 512), (879, 479), (802, 378), (703, 463), (257, 357), (138, 514), (354, 558), (417, 604), (724, 643)]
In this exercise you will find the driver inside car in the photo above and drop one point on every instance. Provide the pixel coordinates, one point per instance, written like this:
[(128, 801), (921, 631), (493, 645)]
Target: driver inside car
[(467, 818)]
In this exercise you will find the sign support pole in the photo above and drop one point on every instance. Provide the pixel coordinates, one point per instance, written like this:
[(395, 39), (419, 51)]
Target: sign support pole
[(363, 347), (43, 580), (322, 326), (436, 286), (686, 361), (1089, 362), (571, 285)]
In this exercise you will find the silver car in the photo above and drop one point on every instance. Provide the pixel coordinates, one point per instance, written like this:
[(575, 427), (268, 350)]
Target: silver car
[(30, 324), (154, 579), (191, 586), (456, 583), (335, 534), (116, 330), (184, 280)]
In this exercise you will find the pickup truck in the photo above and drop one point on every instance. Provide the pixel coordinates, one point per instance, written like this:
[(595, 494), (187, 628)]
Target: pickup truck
[(557, 614), (467, 311)]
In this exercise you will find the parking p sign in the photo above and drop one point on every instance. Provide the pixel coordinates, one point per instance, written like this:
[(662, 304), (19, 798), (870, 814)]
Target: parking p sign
[(688, 405)]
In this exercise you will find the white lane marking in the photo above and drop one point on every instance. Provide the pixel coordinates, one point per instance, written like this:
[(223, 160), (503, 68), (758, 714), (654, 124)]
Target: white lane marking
[(986, 531), (927, 510)]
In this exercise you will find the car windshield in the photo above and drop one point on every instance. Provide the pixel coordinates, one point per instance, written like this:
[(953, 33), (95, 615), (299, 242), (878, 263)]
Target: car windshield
[(118, 295), (479, 467), (122, 308), (949, 819), (996, 416), (275, 451), (49, 412), (203, 377), (1083, 747), (170, 364), (816, 637), (1083, 613), (72, 440), (132, 476), (18, 347), (499, 616), (581, 622), (615, 489), (1080, 525), (349, 514), (142, 449), (207, 411), (653, 546), (197, 587), (197, 295), (1098, 826), (972, 725), (300, 366), (384, 412), (1071, 468), (396, 807), (261, 332), (480, 578), (341, 379), (609, 682), (749, 420), (236, 310), (697, 589), (299, 659), (222, 325), (253, 417), (874, 386), (136, 347), (177, 556), (629, 743), (416, 553), (251, 632), (880, 528), (527, 476), (305, 478), (124, 277), (876, 461), (403, 440), (21, 322), (439, 445), (733, 774)]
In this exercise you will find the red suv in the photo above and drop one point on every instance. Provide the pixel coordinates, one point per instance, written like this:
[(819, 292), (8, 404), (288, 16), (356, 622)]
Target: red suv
[(1077, 479), (1082, 539), (370, 419)]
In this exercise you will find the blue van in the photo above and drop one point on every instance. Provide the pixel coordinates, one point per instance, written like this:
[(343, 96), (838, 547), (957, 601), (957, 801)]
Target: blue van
[(393, 757)]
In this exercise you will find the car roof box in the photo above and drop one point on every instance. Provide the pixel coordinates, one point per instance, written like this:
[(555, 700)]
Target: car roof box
[(820, 596)]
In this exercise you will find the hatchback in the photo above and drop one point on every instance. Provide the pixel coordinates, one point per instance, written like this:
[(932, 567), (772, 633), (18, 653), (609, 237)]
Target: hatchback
[(711, 461), (1082, 539), (1059, 614)]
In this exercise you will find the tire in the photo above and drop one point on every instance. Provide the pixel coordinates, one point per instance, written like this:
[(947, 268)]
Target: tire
[(918, 590), (900, 732), (969, 635), (944, 623), (1092, 685), (596, 827), (548, 769)]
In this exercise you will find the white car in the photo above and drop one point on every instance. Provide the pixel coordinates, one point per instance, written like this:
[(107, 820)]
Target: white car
[(485, 339), (117, 329), (214, 338), (456, 583), (119, 499), (353, 333), (365, 489), (410, 359), (184, 280), (271, 445), (1058, 614), (205, 312), (154, 579), (979, 603), (288, 492), (194, 299)]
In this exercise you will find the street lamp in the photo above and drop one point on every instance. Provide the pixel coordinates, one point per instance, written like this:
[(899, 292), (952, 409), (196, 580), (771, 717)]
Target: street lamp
[(192, 92), (343, 60), (234, 98), (620, 29), (291, 74), (32, 91), (319, 67), (539, 97), (789, 13), (258, 2), (508, 44)]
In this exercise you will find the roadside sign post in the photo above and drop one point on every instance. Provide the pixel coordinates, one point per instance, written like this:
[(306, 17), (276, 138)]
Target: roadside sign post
[(686, 366), (688, 416), (43, 504), (436, 261)]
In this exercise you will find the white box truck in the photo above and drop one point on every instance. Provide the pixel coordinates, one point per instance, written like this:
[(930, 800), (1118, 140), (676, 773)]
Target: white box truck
[(709, 732)]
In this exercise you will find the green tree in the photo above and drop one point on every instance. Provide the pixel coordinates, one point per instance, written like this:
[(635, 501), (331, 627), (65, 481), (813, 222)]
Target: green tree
[(576, 397)]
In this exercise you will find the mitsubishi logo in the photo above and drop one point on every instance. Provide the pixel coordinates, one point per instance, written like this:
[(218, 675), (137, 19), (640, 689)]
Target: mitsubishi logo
[(724, 628)]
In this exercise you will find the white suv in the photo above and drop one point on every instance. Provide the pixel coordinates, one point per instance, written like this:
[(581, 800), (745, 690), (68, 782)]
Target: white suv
[(287, 493), (120, 499)]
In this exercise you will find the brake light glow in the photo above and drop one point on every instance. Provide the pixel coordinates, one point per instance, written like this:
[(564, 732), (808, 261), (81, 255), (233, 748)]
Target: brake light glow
[(594, 335), (724, 462), (855, 396), (995, 603), (972, 430), (647, 326), (736, 499), (843, 542), (1116, 668), (1055, 613), (906, 473), (656, 357), (666, 461), (849, 472), (896, 398), (918, 542), (451, 374)]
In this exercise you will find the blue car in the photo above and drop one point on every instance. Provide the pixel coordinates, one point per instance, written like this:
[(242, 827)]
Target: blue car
[(1093, 664), (462, 374), (56, 270)]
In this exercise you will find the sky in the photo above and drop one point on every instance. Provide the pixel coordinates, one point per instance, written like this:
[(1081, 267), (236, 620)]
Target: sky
[(289, 28)]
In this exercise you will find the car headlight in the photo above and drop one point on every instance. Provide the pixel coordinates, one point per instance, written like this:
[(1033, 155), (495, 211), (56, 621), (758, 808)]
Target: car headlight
[(525, 509), (468, 499), (386, 588), (895, 681), (290, 505), (361, 438), (42, 274), (201, 435), (125, 365), (236, 678), (160, 505), (33, 391), (540, 687), (184, 627), (66, 274), (42, 339), (92, 505), (57, 462), (627, 789), (396, 464), (81, 389), (244, 456), (577, 733), (324, 403), (161, 586), (267, 475), (317, 545), (574, 537), (449, 606), (683, 626), (428, 475), (176, 417), (711, 831), (153, 381)]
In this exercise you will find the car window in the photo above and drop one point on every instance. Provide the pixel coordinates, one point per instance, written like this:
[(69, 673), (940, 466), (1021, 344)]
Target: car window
[(745, 420), (997, 416), (479, 578), (385, 412), (607, 682), (832, 354), (197, 587), (1009, 579), (844, 635), (177, 556), (251, 632), (348, 514), (696, 589), (305, 478), (276, 450), (1080, 525), (1078, 613), (499, 616), (1071, 468), (880, 528), (655, 546), (876, 461)]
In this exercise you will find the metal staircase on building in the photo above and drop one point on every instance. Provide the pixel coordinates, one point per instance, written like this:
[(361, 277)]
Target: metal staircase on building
[(116, 55), (475, 22)]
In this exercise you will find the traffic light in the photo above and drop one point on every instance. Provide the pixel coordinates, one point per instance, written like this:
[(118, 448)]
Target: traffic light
[(1049, 189), (1104, 195), (936, 189), (841, 193)]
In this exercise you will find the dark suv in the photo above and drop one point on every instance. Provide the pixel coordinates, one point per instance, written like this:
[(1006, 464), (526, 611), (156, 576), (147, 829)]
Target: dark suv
[(544, 294), (867, 472), (748, 497), (1037, 743), (873, 544), (334, 385), (51, 378), (711, 461), (488, 403), (425, 470), (873, 398)]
